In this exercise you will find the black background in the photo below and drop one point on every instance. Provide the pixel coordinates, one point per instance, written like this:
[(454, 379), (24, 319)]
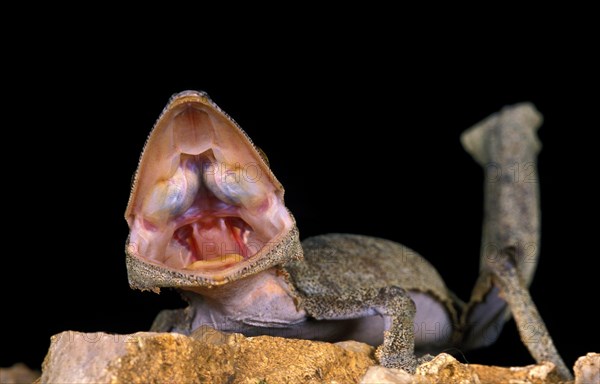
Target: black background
[(362, 148)]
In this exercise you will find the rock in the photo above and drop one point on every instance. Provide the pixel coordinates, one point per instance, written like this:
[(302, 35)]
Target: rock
[(210, 356), (587, 369), (17, 374), (206, 356), (381, 375), (531, 374), (356, 346), (446, 369)]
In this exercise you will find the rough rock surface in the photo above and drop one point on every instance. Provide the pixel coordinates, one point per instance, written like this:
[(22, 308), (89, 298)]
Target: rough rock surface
[(381, 375), (446, 369), (209, 356), (18, 373), (587, 369)]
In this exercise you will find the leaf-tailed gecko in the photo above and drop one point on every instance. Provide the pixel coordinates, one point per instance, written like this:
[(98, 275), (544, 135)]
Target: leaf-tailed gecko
[(207, 217)]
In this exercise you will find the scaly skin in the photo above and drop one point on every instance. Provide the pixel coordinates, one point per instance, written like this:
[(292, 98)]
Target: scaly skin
[(506, 146), (231, 247)]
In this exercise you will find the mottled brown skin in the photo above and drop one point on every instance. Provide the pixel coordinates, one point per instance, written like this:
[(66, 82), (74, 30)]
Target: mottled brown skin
[(365, 275), (506, 146), (346, 286)]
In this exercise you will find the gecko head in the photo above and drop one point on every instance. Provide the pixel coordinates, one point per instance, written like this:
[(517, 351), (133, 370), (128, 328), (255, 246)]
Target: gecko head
[(205, 208)]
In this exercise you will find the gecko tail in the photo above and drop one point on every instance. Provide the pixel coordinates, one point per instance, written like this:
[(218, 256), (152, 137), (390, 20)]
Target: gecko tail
[(511, 221), (475, 139)]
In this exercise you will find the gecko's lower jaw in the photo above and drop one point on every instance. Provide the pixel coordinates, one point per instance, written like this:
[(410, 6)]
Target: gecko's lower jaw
[(204, 204)]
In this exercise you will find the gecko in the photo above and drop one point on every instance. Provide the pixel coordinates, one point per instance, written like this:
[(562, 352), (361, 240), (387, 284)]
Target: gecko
[(207, 217)]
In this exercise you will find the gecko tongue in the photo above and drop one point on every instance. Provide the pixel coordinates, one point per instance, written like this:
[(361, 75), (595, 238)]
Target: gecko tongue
[(213, 237)]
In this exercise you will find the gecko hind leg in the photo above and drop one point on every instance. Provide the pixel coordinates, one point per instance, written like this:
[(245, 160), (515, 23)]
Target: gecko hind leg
[(532, 329)]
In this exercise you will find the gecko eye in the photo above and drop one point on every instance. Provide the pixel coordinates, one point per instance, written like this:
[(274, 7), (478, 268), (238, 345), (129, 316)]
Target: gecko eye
[(173, 196), (233, 184)]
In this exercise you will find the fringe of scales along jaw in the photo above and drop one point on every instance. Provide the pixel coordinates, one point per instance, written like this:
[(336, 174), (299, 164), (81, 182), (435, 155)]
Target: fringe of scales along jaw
[(205, 208)]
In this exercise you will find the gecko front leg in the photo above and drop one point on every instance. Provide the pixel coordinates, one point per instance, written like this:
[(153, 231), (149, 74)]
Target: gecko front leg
[(381, 290), (392, 303)]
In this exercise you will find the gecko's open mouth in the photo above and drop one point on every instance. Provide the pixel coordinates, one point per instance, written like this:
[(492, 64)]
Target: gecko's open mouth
[(204, 199)]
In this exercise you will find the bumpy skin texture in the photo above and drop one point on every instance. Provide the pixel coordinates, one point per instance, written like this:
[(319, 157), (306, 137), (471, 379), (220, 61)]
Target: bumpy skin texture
[(335, 264), (348, 276), (506, 146)]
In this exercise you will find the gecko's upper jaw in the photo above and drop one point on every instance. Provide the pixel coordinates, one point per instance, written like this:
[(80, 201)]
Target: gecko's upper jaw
[(204, 202)]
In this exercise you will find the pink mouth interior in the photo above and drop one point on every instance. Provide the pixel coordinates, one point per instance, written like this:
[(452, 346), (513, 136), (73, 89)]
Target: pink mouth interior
[(211, 228), (198, 208)]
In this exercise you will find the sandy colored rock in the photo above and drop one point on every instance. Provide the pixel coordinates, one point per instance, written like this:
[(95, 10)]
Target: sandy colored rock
[(356, 346), (446, 369), (210, 356), (381, 375), (531, 374), (587, 369), (207, 357), (17, 374)]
